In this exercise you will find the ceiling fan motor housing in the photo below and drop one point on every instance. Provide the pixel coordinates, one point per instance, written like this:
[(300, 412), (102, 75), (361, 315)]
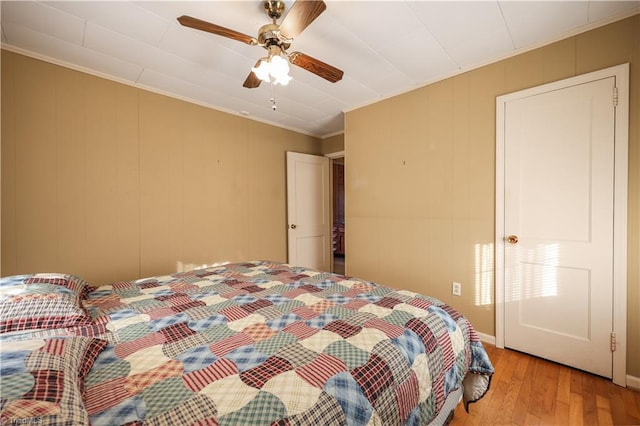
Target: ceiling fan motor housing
[(269, 35)]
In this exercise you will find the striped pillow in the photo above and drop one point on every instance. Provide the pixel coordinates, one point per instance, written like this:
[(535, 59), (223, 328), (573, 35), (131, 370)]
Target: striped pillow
[(43, 379), (41, 301)]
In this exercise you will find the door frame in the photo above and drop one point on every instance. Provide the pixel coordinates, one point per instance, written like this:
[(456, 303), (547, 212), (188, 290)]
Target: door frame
[(332, 156), (620, 193)]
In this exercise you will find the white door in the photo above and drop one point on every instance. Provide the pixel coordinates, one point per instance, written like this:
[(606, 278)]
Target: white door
[(309, 214), (558, 224)]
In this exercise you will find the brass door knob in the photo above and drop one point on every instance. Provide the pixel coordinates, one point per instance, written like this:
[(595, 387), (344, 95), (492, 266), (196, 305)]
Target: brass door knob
[(293, 226), (512, 239)]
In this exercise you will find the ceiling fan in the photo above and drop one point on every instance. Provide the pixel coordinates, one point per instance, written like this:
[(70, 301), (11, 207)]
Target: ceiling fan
[(276, 39)]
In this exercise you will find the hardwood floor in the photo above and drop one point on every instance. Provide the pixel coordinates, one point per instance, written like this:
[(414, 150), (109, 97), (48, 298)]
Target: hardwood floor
[(526, 390)]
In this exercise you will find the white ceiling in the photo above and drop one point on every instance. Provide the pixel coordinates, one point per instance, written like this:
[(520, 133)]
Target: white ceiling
[(383, 47)]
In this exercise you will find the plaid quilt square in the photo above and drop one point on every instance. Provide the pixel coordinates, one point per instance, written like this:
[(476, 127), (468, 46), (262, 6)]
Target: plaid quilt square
[(48, 386), (176, 332), (231, 343), (95, 396), (318, 371), (259, 375), (258, 304), (342, 328), (373, 377), (196, 380)]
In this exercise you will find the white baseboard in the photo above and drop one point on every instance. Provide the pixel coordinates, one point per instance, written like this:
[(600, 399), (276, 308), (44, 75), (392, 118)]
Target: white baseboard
[(487, 338), (633, 382)]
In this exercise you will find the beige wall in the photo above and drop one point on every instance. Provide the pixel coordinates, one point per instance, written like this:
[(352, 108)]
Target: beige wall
[(420, 176), (332, 144), (111, 182)]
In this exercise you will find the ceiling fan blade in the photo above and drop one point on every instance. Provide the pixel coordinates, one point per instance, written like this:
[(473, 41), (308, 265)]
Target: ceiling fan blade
[(201, 25), (252, 81), (301, 14), (316, 66)]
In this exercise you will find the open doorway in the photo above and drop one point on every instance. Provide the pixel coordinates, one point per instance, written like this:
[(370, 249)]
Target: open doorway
[(338, 226)]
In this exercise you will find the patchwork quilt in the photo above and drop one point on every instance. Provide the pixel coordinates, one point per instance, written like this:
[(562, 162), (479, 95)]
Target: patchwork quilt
[(266, 343)]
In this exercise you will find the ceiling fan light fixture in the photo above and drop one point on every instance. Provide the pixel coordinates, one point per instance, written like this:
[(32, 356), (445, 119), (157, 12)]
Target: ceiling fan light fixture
[(280, 70), (274, 67)]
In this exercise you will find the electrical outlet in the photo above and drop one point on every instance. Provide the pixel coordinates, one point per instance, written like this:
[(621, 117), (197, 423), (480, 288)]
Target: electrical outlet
[(456, 288)]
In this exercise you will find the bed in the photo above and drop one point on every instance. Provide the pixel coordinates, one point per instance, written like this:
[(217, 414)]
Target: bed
[(253, 343)]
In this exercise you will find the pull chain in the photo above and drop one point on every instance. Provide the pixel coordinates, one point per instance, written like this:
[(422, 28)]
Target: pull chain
[(273, 97)]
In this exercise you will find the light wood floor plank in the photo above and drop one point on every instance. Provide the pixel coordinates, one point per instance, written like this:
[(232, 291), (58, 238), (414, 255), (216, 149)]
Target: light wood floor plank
[(575, 409), (564, 385), (561, 416), (604, 410), (589, 407)]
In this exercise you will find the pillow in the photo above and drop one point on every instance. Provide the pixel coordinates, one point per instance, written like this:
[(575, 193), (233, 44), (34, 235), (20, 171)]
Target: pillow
[(38, 301), (43, 380)]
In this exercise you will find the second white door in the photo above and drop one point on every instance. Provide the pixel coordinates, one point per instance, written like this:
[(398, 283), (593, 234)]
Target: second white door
[(309, 213)]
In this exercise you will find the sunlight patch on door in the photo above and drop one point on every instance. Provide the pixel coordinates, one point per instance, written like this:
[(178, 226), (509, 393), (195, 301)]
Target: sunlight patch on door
[(536, 273)]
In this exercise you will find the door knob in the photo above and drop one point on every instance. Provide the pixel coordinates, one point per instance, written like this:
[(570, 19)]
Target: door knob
[(293, 226), (512, 239)]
